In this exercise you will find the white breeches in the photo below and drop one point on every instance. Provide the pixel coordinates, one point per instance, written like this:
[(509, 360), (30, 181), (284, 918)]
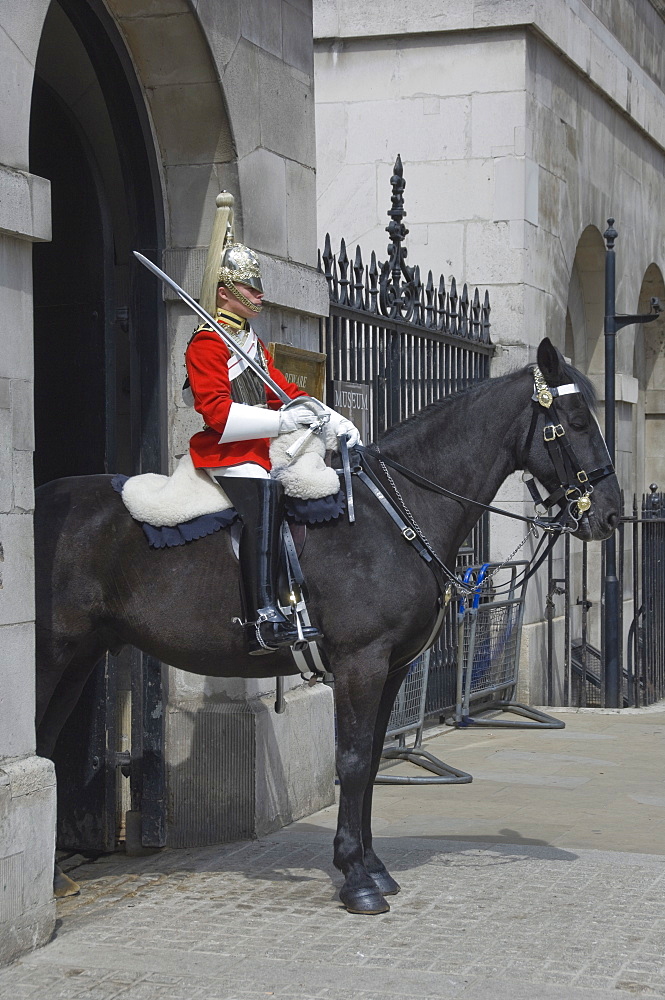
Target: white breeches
[(246, 470)]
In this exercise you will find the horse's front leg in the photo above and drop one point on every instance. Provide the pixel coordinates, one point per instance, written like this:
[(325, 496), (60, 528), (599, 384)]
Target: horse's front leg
[(380, 874), (359, 682)]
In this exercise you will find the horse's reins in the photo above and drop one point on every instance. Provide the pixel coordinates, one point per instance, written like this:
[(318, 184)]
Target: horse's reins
[(574, 490)]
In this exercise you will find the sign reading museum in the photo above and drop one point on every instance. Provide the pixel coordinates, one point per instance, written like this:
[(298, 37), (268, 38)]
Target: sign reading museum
[(353, 400)]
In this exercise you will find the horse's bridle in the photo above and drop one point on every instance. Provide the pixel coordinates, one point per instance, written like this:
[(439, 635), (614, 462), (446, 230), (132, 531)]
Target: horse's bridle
[(574, 490), (575, 483)]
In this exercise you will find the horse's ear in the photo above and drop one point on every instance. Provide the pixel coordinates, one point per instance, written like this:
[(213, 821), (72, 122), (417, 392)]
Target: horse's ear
[(550, 360)]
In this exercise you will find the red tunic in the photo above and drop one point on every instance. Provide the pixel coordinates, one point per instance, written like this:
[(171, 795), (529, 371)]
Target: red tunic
[(207, 360)]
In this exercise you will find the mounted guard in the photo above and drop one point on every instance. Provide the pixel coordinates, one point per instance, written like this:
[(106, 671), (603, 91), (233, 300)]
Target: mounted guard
[(241, 395)]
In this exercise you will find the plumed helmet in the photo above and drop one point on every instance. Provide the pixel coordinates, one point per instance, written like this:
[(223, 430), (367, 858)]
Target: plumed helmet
[(228, 263), (240, 264)]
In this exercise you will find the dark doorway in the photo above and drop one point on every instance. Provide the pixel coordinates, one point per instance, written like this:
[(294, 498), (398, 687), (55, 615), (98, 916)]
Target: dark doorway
[(71, 278), (99, 364)]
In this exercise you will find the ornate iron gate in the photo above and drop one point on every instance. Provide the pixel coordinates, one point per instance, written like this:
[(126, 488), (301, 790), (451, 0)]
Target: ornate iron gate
[(394, 344)]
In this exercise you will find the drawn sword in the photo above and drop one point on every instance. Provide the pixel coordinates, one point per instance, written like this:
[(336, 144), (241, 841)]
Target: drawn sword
[(228, 340)]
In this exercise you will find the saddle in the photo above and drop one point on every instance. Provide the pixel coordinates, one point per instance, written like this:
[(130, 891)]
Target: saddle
[(187, 505)]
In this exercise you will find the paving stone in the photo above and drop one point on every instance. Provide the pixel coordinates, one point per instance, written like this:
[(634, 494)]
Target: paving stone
[(507, 920)]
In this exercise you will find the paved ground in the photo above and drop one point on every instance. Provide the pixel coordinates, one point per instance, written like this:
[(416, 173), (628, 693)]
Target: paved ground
[(543, 879)]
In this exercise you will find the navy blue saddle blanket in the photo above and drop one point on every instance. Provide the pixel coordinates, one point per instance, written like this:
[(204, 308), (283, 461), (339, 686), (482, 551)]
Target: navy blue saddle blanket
[(300, 511)]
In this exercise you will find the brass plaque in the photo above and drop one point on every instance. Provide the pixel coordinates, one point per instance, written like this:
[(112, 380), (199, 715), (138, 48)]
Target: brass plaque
[(307, 369)]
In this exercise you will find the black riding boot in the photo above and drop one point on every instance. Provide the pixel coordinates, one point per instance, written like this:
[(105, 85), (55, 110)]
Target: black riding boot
[(259, 503)]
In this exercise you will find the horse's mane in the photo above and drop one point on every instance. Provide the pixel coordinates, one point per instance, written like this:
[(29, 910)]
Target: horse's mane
[(568, 374)]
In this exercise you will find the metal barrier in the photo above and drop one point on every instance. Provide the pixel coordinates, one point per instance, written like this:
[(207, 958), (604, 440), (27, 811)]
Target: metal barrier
[(408, 716), (580, 678), (488, 650)]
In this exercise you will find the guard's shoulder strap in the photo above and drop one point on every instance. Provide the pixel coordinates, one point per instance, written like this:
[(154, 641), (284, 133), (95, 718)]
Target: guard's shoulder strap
[(200, 328)]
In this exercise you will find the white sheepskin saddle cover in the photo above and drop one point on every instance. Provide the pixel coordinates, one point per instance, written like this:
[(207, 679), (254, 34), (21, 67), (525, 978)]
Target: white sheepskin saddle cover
[(165, 501)]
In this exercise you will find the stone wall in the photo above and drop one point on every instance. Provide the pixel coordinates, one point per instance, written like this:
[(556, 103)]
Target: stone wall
[(522, 127), (225, 92), (27, 782)]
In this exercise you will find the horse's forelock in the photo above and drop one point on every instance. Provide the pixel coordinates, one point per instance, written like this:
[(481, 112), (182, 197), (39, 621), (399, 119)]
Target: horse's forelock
[(587, 391), (569, 374)]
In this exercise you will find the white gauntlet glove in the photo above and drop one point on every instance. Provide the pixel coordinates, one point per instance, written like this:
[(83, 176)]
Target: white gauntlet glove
[(344, 426), (246, 423), (341, 425), (294, 418)]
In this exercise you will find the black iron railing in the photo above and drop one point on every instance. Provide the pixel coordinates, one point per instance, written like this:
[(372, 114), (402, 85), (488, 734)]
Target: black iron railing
[(411, 342)]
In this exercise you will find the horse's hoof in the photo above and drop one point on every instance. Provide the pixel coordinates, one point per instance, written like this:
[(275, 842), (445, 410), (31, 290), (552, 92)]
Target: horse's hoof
[(385, 883), (63, 885), (367, 901)]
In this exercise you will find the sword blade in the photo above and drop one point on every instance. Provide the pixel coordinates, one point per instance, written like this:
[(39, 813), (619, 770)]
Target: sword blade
[(228, 340)]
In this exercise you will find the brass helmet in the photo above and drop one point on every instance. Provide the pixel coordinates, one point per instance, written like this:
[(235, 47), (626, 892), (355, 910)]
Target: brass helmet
[(228, 262)]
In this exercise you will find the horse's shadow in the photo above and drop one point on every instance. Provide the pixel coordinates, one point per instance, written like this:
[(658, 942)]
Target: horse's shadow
[(306, 857), (302, 854)]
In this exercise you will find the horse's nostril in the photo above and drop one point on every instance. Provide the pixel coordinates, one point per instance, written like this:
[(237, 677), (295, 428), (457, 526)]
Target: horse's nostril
[(613, 520)]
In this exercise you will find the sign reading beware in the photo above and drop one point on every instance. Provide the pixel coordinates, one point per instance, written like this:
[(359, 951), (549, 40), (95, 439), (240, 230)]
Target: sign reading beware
[(307, 369)]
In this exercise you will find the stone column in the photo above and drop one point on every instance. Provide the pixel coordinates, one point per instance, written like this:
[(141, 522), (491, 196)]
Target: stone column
[(27, 782)]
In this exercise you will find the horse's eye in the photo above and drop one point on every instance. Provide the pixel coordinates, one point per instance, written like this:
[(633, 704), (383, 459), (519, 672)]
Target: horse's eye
[(579, 424)]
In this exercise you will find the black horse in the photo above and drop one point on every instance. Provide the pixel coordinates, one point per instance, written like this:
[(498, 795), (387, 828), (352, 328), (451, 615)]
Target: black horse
[(100, 586)]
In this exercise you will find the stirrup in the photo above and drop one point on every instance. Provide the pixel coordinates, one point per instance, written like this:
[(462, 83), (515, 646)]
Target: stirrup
[(299, 637)]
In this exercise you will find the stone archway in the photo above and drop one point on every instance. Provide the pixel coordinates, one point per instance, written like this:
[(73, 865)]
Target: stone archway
[(100, 399), (584, 346), (586, 303), (190, 122), (649, 369), (96, 327)]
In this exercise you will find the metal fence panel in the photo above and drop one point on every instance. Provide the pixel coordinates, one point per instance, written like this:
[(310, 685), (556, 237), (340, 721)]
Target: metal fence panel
[(409, 709), (489, 641), (408, 716), (494, 638)]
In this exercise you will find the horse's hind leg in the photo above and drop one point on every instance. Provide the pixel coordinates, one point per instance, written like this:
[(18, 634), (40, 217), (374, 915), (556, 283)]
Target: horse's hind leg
[(62, 672), (359, 682), (376, 868)]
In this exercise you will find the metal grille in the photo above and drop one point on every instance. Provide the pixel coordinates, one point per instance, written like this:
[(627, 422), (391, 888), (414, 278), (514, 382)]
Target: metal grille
[(407, 713), (653, 596), (586, 667), (405, 369), (407, 364), (493, 642)]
